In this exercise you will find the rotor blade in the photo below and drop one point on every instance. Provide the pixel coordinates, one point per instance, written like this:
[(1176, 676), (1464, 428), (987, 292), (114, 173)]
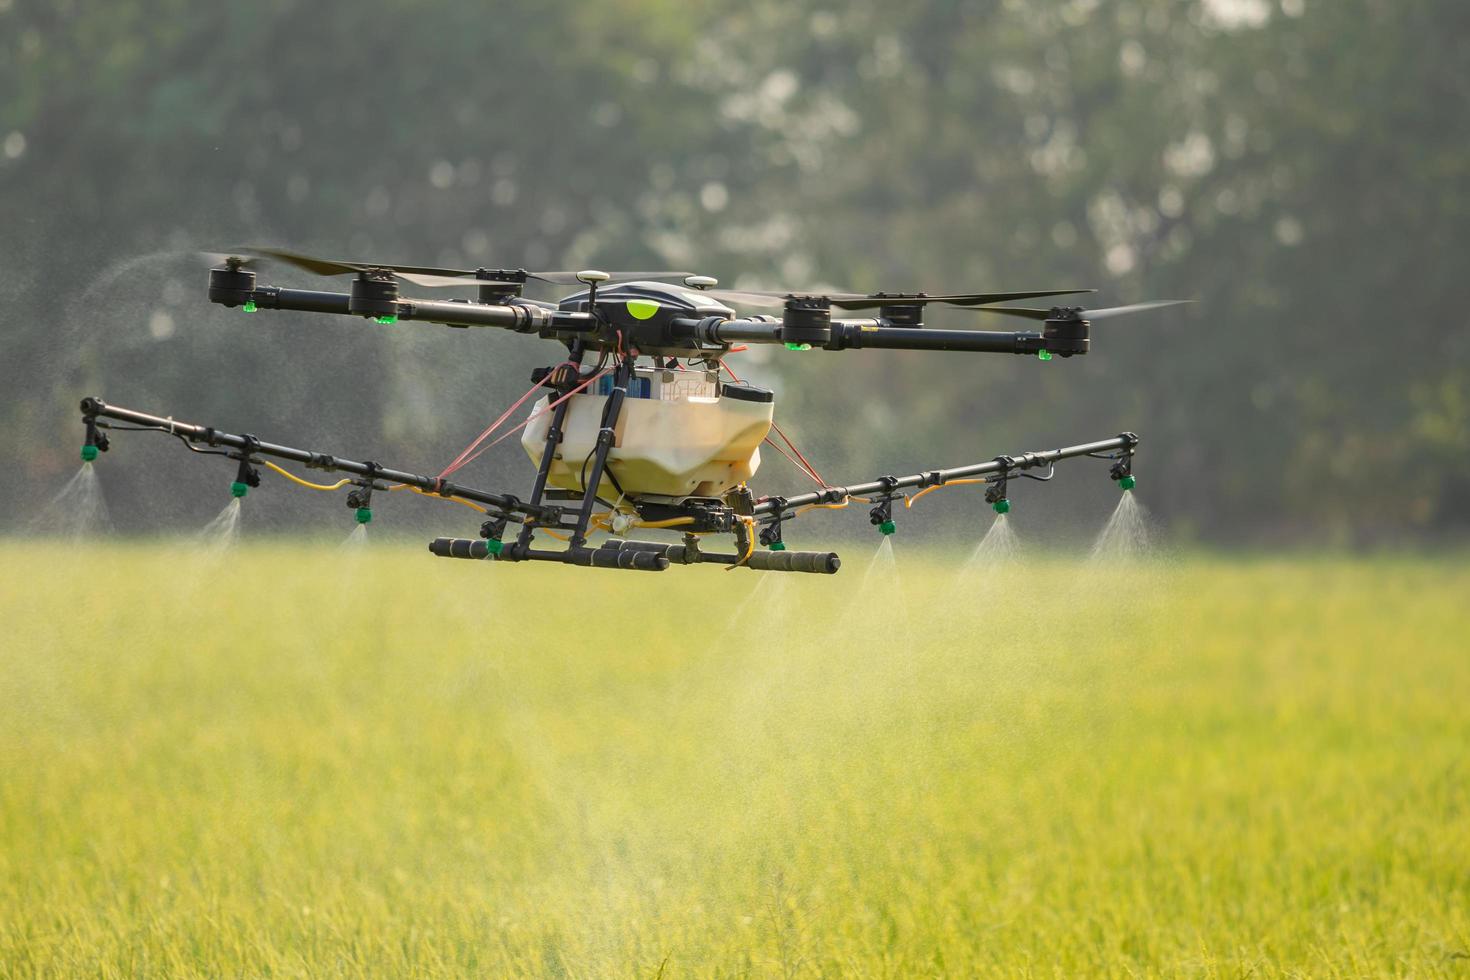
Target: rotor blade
[(569, 278), (747, 297), (311, 263), (333, 267), (868, 301), (437, 281), (872, 300), (1096, 315), (1013, 311), (1089, 315)]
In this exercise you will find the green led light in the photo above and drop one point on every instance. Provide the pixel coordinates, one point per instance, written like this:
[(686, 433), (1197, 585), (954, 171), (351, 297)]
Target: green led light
[(887, 527), (494, 546), (791, 346), (1128, 482), (238, 489), (364, 515), (1043, 355), (390, 319), (89, 453), (249, 306), (778, 545), (1003, 505)]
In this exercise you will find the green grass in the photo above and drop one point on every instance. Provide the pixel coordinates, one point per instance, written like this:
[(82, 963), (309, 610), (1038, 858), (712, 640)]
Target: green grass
[(301, 763)]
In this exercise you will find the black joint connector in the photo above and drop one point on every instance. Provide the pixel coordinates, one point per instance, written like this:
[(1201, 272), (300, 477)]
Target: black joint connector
[(741, 500), (370, 478), (494, 528), (322, 461)]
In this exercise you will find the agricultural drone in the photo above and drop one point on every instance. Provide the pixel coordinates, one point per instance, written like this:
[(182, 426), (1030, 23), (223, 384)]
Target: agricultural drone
[(637, 428)]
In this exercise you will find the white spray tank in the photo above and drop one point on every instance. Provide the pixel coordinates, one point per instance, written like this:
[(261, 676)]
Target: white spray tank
[(680, 434)]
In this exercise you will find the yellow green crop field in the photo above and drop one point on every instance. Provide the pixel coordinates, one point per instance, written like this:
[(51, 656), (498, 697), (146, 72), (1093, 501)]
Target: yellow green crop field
[(300, 761)]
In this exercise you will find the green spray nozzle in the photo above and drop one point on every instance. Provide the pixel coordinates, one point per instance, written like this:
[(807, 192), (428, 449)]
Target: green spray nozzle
[(249, 306), (1002, 506), (89, 453), (495, 546), (364, 515), (1128, 482), (239, 489), (887, 527), (778, 545)]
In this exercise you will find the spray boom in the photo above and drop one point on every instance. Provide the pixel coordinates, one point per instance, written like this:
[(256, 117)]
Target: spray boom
[(750, 520)]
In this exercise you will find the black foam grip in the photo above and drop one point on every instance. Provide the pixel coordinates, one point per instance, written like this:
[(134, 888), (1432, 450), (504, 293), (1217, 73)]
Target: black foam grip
[(630, 558), (459, 548), (817, 562)]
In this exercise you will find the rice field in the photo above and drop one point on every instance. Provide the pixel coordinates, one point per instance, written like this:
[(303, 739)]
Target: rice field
[(301, 761)]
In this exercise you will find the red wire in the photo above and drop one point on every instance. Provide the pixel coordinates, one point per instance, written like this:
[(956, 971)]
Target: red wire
[(536, 415), (794, 462), (805, 464), (466, 458), (462, 459)]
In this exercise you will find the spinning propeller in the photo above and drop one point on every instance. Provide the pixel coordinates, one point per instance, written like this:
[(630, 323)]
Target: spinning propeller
[(424, 275), (873, 301), (1078, 313)]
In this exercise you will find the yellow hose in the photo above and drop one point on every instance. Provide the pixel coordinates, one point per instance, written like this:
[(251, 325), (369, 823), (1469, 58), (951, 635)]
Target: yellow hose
[(306, 483), (749, 546), (424, 493), (909, 501)]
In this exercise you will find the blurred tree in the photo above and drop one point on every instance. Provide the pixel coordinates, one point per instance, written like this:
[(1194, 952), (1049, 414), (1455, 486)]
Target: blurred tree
[(1299, 167)]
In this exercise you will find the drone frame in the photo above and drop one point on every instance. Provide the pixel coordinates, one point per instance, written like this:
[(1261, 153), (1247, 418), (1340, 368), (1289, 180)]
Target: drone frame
[(623, 323)]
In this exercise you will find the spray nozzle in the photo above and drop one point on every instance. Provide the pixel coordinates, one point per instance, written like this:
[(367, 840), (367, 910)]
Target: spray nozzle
[(96, 441), (361, 499), (246, 475), (771, 533), (492, 531), (995, 494), (881, 515), (1122, 472)]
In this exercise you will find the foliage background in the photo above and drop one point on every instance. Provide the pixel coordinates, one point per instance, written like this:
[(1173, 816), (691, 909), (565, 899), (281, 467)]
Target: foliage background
[(1299, 167)]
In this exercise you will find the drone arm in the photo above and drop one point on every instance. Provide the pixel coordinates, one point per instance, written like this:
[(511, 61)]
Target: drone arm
[(308, 300), (870, 333), (856, 334), (715, 331), (522, 318)]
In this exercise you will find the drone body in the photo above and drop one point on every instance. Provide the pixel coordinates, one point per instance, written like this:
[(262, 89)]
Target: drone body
[(638, 419)]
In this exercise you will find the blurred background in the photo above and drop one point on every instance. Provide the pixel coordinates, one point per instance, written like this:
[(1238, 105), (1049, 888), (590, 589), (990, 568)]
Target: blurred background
[(1301, 168)]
